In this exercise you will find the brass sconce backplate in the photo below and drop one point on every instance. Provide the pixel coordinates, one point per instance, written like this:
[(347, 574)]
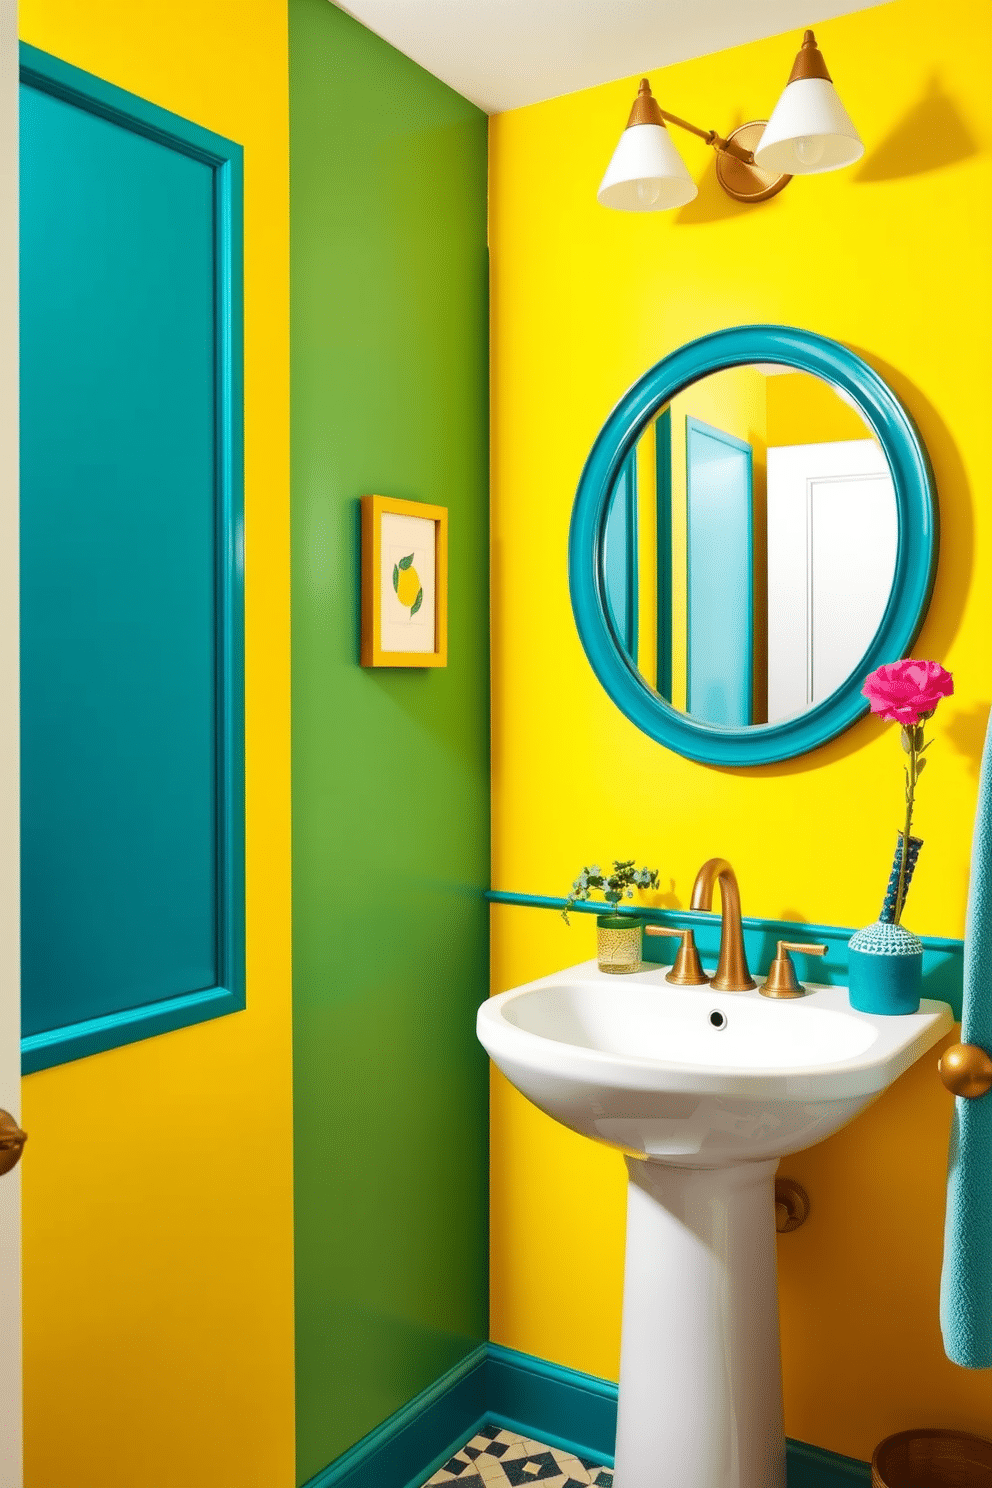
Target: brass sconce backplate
[(744, 182)]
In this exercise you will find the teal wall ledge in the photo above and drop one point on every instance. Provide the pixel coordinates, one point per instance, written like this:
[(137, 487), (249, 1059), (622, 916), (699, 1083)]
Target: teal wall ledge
[(496, 1386), (943, 958)]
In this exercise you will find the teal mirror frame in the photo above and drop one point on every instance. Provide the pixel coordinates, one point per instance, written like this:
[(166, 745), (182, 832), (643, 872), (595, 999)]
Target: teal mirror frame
[(916, 555)]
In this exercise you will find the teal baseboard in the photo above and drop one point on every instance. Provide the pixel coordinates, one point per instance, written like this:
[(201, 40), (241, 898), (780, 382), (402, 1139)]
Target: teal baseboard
[(812, 1467), (411, 1445), (558, 1406)]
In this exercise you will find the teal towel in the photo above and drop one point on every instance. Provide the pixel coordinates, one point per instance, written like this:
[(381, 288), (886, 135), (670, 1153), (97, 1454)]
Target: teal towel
[(966, 1282)]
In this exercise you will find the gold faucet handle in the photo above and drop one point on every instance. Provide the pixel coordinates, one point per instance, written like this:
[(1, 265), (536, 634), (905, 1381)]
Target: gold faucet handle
[(782, 980), (687, 971)]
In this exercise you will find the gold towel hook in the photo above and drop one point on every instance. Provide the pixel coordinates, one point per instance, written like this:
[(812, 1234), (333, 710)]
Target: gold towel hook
[(966, 1070)]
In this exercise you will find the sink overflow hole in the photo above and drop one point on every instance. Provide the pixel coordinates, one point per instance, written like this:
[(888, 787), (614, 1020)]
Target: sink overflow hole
[(718, 1020)]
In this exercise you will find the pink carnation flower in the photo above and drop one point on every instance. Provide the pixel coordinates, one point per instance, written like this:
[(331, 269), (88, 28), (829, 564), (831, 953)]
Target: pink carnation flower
[(907, 691)]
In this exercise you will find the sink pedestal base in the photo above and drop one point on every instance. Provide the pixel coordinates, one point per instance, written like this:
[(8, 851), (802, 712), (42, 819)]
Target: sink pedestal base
[(700, 1369)]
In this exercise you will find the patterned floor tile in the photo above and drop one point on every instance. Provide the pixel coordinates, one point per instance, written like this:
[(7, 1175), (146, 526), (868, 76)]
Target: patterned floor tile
[(501, 1459)]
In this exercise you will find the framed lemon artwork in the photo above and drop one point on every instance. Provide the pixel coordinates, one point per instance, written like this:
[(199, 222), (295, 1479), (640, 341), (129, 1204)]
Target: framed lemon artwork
[(404, 583)]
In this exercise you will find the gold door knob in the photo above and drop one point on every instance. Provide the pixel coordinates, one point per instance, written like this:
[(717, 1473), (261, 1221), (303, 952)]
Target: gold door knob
[(687, 971), (12, 1141), (966, 1070)]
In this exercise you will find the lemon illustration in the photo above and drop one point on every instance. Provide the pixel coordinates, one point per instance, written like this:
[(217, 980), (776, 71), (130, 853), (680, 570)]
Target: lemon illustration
[(408, 586), (406, 582)]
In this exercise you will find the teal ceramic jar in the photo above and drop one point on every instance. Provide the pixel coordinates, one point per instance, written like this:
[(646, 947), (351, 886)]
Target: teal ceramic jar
[(885, 970)]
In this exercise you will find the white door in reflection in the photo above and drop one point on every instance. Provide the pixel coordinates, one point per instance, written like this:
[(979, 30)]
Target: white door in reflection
[(832, 539)]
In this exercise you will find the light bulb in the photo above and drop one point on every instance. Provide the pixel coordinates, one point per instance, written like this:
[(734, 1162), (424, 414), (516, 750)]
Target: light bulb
[(808, 149), (648, 192)]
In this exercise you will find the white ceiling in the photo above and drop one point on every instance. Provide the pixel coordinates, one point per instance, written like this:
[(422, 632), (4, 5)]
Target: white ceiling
[(506, 53)]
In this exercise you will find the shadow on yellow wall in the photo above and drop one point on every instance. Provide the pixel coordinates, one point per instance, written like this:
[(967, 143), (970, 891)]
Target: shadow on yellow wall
[(885, 258), (931, 135)]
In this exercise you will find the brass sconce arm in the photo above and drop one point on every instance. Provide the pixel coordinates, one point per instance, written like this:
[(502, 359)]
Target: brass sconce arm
[(647, 110), (735, 167), (727, 146)]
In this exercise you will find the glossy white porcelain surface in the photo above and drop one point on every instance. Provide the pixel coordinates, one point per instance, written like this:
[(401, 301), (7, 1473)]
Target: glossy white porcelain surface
[(700, 1402), (703, 1113), (637, 1063)]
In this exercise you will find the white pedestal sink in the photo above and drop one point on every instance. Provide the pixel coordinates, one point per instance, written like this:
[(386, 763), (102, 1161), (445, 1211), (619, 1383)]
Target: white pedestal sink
[(703, 1092)]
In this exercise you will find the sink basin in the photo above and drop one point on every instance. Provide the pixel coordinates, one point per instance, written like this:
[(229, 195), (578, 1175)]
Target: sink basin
[(702, 1092), (695, 1077)]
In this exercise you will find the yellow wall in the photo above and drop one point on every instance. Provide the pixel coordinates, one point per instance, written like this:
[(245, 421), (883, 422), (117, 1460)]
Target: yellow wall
[(804, 410), (157, 1194), (887, 257)]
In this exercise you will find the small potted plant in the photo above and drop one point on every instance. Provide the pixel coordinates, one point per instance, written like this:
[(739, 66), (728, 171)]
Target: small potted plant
[(618, 937)]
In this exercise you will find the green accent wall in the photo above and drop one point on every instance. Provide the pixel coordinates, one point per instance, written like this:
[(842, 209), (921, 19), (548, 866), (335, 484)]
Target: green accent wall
[(390, 768)]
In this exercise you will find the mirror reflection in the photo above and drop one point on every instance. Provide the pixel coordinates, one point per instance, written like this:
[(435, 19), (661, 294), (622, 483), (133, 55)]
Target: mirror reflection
[(749, 546)]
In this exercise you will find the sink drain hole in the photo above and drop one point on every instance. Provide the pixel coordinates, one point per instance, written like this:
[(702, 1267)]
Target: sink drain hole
[(718, 1020)]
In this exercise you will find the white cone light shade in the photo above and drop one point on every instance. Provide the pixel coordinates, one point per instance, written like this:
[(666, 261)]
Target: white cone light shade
[(647, 173), (810, 131)]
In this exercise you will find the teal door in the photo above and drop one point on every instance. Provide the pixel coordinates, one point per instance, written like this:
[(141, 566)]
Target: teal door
[(130, 568), (720, 557)]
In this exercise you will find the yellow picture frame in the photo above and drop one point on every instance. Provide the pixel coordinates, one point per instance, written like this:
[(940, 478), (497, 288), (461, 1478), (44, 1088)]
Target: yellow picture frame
[(404, 583)]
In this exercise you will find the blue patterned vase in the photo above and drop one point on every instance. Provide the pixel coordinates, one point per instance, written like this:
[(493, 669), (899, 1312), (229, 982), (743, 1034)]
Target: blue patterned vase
[(885, 969), (889, 906)]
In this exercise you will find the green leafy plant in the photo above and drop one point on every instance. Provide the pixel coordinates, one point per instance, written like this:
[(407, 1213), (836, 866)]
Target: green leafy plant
[(620, 884)]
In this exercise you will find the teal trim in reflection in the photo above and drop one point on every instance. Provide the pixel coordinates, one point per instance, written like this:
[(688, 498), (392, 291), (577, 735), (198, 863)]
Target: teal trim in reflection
[(663, 488), (719, 483), (916, 556), (620, 557), (943, 961), (178, 146), (557, 1406)]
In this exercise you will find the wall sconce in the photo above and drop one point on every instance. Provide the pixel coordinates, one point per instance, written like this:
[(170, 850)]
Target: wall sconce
[(809, 132)]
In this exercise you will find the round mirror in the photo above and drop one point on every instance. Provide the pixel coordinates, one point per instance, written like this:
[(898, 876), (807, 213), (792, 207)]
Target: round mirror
[(754, 531)]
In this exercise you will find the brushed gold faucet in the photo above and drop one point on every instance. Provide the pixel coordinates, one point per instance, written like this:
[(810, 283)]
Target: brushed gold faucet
[(732, 974)]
